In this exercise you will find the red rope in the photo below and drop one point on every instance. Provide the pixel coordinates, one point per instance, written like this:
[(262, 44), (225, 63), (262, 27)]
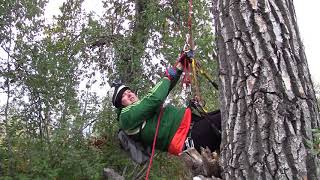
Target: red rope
[(186, 69), (190, 16), (186, 80), (154, 143)]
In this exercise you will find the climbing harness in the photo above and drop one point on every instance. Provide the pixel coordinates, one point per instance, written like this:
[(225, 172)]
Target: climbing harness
[(194, 105)]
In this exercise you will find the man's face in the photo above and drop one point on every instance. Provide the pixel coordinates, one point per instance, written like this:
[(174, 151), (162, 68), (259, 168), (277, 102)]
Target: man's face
[(128, 97)]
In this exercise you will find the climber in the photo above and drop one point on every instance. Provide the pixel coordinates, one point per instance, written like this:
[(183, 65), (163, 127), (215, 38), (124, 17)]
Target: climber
[(179, 129)]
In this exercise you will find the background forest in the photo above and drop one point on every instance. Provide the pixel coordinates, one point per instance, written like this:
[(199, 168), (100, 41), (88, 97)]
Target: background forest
[(54, 123)]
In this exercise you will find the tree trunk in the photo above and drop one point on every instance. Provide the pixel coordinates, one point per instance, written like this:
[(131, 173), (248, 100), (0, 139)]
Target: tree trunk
[(132, 70), (267, 98)]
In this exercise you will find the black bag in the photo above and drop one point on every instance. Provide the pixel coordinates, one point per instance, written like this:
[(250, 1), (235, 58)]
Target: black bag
[(137, 152)]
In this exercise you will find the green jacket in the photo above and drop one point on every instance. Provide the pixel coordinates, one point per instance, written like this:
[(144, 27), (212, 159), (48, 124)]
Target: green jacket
[(145, 112)]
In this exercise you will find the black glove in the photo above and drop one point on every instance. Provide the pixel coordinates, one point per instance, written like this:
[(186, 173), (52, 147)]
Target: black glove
[(190, 54), (186, 57)]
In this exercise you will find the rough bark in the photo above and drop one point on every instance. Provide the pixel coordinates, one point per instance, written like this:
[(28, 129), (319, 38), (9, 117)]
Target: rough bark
[(267, 98)]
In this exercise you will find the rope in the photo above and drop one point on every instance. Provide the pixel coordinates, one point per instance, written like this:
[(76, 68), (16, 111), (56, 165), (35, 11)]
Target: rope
[(195, 80), (188, 46), (190, 24), (154, 143), (186, 69), (186, 79)]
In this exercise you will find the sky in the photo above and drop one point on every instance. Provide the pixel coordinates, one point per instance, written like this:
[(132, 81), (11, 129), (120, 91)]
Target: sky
[(307, 13), (307, 16)]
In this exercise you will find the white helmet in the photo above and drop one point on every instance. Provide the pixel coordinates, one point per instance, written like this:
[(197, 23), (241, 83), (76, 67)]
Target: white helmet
[(115, 94)]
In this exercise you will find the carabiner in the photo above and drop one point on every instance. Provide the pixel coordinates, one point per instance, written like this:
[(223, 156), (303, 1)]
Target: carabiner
[(189, 143)]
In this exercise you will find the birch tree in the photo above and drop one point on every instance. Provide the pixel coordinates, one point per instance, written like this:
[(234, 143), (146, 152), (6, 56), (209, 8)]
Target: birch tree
[(267, 97)]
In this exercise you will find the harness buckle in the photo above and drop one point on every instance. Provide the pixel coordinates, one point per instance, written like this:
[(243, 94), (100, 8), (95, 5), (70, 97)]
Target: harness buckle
[(189, 143)]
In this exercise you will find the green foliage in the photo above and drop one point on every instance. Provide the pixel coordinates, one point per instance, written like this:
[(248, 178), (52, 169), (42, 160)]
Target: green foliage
[(317, 93), (315, 144), (51, 114)]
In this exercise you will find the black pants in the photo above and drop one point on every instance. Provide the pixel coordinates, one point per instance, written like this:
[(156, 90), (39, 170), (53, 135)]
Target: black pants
[(206, 131)]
